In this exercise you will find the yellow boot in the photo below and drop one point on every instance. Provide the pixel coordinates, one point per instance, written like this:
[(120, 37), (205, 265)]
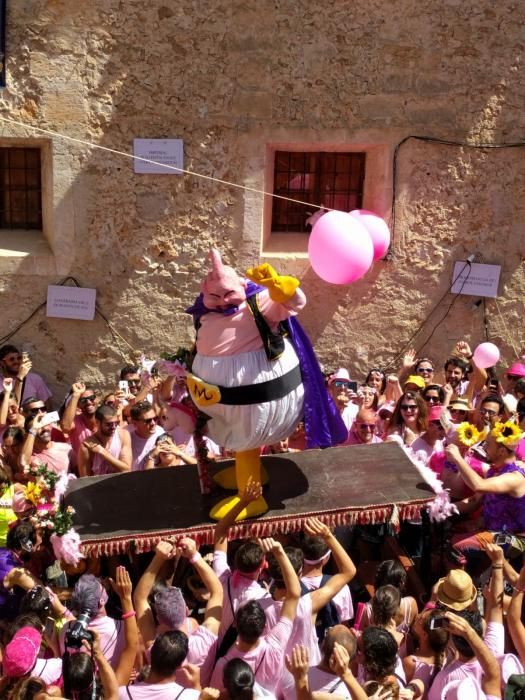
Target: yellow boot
[(227, 478), (247, 464)]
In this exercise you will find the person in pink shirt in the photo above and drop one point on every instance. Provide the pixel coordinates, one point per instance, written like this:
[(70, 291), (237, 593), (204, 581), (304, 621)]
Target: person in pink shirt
[(311, 603), (317, 550), (241, 585), (144, 432), (108, 450), (38, 448), (79, 426), (363, 430), (431, 440), (264, 652)]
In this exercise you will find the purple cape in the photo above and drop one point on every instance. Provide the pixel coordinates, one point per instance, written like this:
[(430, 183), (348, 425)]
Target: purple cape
[(324, 426)]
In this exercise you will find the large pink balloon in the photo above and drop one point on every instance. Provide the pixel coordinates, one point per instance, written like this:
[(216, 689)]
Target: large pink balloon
[(340, 249), (486, 355), (377, 228)]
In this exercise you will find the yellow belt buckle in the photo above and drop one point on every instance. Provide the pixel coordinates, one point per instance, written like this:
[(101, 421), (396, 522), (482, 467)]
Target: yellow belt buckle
[(202, 393)]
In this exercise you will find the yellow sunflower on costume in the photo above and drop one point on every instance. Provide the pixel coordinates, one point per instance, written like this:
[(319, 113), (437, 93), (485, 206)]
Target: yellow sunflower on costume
[(508, 433), (468, 434), (32, 493)]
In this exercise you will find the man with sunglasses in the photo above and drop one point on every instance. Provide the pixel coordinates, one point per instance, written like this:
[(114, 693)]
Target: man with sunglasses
[(144, 432), (342, 391), (33, 407), (38, 448), (363, 431), (79, 426), (108, 450), (13, 365)]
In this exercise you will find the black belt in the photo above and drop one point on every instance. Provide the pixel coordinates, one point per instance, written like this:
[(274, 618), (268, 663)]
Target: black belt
[(261, 393)]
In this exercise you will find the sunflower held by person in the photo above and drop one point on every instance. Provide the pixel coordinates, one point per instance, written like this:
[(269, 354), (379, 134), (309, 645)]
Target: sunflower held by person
[(468, 434)]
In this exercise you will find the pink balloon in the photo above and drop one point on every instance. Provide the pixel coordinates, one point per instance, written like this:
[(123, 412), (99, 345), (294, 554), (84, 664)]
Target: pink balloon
[(377, 228), (340, 248), (486, 355)]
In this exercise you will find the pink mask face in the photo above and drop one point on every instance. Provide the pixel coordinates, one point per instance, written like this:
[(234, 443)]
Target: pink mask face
[(222, 286)]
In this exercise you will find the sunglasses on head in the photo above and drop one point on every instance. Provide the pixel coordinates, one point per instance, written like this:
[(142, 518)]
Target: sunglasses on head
[(85, 399)]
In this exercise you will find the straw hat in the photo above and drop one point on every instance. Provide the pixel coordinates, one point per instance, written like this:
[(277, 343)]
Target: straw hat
[(456, 590), (460, 405)]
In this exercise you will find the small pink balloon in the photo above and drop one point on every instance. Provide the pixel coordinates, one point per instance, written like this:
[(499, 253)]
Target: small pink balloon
[(340, 248), (377, 228), (486, 355)]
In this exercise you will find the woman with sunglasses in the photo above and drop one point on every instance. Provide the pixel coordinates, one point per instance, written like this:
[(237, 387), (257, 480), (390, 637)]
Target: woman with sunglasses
[(409, 419), (424, 368), (433, 394)]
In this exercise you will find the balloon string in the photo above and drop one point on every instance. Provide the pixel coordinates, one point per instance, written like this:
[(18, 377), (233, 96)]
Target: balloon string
[(89, 144)]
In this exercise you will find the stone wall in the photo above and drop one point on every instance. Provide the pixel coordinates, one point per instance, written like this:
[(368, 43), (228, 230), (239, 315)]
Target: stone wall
[(232, 79)]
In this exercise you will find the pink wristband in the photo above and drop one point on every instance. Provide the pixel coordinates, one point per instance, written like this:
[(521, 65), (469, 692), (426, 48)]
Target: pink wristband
[(195, 557), (129, 614)]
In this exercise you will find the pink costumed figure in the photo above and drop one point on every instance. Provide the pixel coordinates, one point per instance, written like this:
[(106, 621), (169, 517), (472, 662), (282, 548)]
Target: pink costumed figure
[(251, 370)]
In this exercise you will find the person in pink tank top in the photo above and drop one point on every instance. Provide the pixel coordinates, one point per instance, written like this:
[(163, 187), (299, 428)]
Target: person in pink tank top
[(108, 449)]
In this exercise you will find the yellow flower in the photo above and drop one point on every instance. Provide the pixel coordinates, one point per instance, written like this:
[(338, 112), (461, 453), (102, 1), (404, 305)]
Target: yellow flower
[(468, 434), (508, 433), (32, 493)]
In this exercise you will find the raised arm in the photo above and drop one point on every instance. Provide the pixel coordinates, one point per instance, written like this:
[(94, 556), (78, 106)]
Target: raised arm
[(213, 612), (4, 406), (494, 612), (515, 625), (290, 578), (67, 421), (491, 680), (146, 623), (122, 586), (346, 567), (251, 493)]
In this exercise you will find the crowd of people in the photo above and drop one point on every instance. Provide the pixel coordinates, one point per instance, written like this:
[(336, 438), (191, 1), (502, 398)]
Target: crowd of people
[(287, 617)]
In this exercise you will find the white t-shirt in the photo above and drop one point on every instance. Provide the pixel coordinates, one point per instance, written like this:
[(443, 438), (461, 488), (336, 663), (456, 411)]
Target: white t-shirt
[(342, 600), (157, 691), (141, 447), (322, 682), (423, 451), (49, 670)]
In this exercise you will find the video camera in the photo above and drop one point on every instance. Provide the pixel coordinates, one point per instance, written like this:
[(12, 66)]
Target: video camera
[(78, 631)]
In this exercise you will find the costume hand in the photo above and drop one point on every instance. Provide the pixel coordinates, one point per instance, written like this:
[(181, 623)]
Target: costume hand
[(315, 528), (8, 385), (252, 491), (495, 553), (453, 454), (281, 287), (339, 660), (187, 547), (122, 583), (191, 675), (78, 388), (164, 550), (409, 359), (298, 663), (271, 546)]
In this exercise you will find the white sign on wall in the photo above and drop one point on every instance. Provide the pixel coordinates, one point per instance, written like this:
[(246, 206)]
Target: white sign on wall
[(162, 151), (71, 302), (476, 279)]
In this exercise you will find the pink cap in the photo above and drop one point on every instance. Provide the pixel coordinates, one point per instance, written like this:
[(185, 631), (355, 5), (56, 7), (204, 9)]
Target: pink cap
[(21, 652), (517, 369), (435, 412), (341, 373)]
